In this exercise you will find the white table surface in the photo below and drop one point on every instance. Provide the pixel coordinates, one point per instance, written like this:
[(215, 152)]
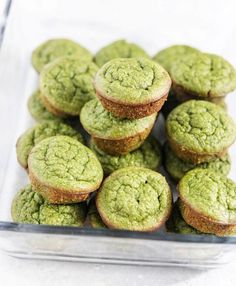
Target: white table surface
[(49, 273), (209, 25)]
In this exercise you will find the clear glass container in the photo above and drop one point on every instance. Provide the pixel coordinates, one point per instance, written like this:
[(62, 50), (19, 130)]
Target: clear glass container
[(28, 24)]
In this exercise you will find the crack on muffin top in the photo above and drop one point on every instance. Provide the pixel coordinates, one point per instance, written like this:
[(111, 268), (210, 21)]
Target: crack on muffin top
[(201, 126), (134, 198), (64, 163), (168, 56), (147, 156), (67, 84), (39, 132), (178, 168), (101, 123), (54, 49), (206, 75), (118, 49), (133, 81), (30, 207), (210, 194)]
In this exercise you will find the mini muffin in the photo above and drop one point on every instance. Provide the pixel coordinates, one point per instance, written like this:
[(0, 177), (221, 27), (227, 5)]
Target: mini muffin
[(63, 170), (66, 85), (57, 48), (40, 131), (167, 57), (202, 76), (119, 49), (208, 202), (200, 131), (37, 110), (177, 168), (132, 88), (94, 218), (177, 224), (111, 134), (134, 198), (30, 207), (146, 156)]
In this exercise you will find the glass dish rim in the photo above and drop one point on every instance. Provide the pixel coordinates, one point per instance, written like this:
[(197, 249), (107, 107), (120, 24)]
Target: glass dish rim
[(105, 233), (113, 233)]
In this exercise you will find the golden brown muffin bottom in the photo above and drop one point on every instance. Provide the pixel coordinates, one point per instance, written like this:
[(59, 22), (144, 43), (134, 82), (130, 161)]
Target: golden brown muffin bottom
[(132, 111), (204, 223)]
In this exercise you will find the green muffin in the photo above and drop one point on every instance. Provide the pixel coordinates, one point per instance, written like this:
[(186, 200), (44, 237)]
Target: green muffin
[(30, 207), (208, 202), (111, 134), (203, 76), (177, 168), (146, 156), (118, 49), (168, 56), (57, 48), (200, 131), (38, 110), (95, 220), (177, 224), (132, 88), (63, 170), (66, 85), (40, 131), (135, 199)]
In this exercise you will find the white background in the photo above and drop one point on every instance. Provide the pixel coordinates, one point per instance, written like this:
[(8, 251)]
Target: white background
[(205, 24)]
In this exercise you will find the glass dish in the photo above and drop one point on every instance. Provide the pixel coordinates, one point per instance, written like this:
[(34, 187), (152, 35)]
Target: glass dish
[(28, 25)]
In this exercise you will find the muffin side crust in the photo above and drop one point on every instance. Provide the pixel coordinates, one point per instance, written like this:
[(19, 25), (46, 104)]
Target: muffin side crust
[(208, 202), (177, 168), (147, 156), (112, 134)]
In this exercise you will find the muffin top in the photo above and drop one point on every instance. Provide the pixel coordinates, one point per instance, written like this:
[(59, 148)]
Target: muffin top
[(201, 126), (209, 194), (100, 123), (30, 207), (62, 162), (132, 81), (205, 75), (147, 156), (119, 49), (40, 131), (67, 83), (53, 49), (38, 110), (168, 56), (177, 224), (134, 199), (178, 168)]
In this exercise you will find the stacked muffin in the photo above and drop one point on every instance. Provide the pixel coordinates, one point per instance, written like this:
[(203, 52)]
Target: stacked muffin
[(199, 133), (196, 75), (62, 171), (117, 96)]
